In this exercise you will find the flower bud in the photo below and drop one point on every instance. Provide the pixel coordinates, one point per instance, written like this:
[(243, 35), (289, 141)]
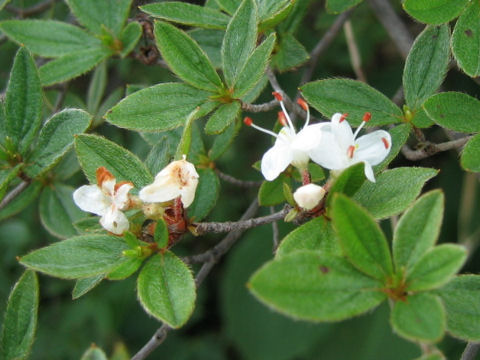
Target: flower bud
[(309, 196)]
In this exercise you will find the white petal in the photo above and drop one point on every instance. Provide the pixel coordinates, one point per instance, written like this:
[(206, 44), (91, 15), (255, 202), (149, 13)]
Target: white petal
[(309, 196), (373, 148), (308, 138), (91, 199), (369, 172), (108, 186), (275, 160), (188, 193), (114, 221), (342, 131), (159, 192), (328, 153), (121, 199)]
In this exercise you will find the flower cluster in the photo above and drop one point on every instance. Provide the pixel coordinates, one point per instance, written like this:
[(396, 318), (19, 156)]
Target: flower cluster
[(332, 145), (107, 199)]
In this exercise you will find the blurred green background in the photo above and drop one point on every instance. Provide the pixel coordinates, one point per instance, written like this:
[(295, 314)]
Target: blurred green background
[(228, 322)]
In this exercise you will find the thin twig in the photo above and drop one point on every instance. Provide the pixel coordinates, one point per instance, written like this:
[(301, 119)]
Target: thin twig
[(260, 107), (395, 27), (35, 9), (237, 182), (13, 194), (275, 231), (353, 51), (323, 44), (470, 351), (223, 227), (431, 149), (161, 333)]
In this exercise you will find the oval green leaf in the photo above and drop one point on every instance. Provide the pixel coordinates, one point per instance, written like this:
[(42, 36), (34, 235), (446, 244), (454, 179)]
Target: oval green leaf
[(434, 11), (206, 195), (470, 159), (222, 118)]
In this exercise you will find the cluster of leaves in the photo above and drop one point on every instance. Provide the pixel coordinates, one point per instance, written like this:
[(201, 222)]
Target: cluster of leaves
[(333, 267)]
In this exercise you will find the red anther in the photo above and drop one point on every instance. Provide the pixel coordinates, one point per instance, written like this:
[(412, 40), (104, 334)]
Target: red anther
[(282, 119), (350, 151), (303, 104), (103, 175), (277, 95), (343, 117), (386, 143), (248, 121), (367, 116), (121, 183)]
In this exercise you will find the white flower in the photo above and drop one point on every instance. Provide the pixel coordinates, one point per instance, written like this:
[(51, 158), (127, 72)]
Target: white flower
[(179, 178), (309, 196), (290, 147), (106, 199), (340, 147)]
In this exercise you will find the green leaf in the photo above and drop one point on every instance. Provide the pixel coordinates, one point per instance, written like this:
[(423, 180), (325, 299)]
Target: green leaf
[(88, 225), (239, 41), (460, 297), (6, 177), (455, 111), (399, 136), (186, 58), (315, 235), (353, 97), (272, 13), (394, 190), (93, 14), (72, 65), (222, 117), (223, 141), (188, 14), (159, 156), (211, 42), (67, 166), (78, 257), (229, 6), (55, 139), (48, 38), (206, 195), (126, 269), (129, 37), (254, 68), (289, 54), (361, 238), (426, 65), (421, 119), (157, 108), (58, 212), (339, 6), (161, 234), (94, 353), (95, 151), (183, 147), (470, 159), (25, 198), (82, 286), (418, 229), (348, 182), (315, 287), (96, 88), (23, 101), (436, 267), (434, 11), (420, 318), (166, 289), (20, 320), (271, 192), (466, 40), (3, 3)]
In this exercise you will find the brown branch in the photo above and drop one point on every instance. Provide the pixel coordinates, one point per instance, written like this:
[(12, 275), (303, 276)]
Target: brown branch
[(431, 149), (237, 182), (355, 57), (260, 107), (13, 194), (275, 232), (323, 44), (470, 351), (161, 333), (395, 27), (35, 9), (223, 227)]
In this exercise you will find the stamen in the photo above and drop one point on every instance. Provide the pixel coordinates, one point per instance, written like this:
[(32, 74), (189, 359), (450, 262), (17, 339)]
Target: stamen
[(103, 175), (277, 95), (343, 117), (386, 143), (367, 116), (282, 119), (249, 122), (350, 151), (305, 107)]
